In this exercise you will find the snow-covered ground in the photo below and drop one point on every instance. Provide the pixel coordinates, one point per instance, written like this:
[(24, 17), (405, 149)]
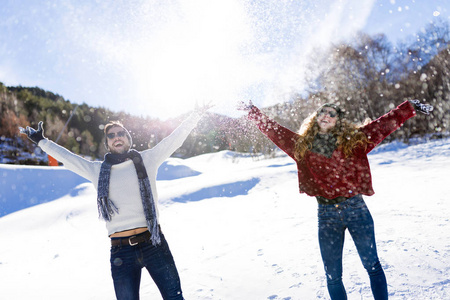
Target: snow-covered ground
[(237, 227)]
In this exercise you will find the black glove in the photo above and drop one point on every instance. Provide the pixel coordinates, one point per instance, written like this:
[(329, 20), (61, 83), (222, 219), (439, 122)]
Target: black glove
[(422, 107), (34, 135)]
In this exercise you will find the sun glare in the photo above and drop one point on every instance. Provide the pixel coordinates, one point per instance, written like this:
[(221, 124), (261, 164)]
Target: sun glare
[(197, 59), (177, 54)]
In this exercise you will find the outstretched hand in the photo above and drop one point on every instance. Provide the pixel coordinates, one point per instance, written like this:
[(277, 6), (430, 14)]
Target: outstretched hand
[(34, 135), (203, 108), (245, 106), (422, 107)]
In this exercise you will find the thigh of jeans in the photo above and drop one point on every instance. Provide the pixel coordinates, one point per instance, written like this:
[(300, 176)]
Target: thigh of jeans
[(357, 214), (126, 272), (361, 228), (331, 240), (161, 266)]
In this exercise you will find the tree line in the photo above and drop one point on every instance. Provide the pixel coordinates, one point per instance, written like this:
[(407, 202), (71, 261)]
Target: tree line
[(366, 77)]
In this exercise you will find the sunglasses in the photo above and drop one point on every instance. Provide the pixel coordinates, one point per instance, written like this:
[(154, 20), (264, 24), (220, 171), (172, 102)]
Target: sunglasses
[(332, 114), (113, 135)]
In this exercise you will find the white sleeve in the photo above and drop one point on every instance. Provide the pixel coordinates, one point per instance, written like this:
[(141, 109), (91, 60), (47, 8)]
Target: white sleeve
[(171, 143), (75, 163)]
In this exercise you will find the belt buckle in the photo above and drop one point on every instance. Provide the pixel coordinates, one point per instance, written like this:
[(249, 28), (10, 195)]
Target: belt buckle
[(131, 243)]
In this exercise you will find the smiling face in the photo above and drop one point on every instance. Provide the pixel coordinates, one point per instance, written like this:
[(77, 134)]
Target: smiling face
[(326, 119), (117, 140)]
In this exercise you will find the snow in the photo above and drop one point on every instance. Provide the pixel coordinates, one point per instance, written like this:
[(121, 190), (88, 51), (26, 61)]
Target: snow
[(237, 227)]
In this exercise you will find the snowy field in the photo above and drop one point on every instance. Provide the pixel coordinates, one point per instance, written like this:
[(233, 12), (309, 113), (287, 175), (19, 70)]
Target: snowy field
[(237, 227)]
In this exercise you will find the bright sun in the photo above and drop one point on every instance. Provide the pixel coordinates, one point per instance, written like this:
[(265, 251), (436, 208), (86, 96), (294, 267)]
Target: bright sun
[(189, 62)]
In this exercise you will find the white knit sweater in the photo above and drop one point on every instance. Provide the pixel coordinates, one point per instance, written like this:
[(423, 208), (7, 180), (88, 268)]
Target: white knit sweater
[(124, 186)]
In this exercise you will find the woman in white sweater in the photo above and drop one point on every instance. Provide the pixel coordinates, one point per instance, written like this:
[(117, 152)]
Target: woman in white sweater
[(127, 200)]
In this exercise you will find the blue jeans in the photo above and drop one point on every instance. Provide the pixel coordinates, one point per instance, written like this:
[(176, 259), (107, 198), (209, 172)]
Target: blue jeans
[(334, 219), (128, 261)]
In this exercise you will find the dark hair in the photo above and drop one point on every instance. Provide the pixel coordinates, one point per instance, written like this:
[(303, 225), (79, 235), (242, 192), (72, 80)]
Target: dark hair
[(335, 107)]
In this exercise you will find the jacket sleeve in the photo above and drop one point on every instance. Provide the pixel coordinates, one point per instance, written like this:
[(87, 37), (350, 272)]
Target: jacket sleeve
[(71, 161), (379, 129), (171, 143), (284, 138)]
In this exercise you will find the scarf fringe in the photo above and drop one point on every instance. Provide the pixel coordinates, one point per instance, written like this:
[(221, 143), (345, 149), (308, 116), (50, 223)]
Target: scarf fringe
[(106, 208), (150, 211)]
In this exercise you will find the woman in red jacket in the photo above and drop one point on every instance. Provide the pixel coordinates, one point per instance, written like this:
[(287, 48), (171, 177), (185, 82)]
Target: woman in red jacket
[(331, 156)]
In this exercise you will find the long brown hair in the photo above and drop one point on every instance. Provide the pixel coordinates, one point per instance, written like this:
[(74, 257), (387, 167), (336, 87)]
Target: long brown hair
[(348, 135)]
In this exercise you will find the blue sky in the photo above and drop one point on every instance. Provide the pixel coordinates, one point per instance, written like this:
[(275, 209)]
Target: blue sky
[(158, 58)]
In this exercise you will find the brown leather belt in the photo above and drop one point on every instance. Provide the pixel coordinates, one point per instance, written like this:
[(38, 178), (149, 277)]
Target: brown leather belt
[(131, 240)]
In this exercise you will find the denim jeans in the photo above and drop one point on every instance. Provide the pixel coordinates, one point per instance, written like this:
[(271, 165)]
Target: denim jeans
[(126, 265), (334, 219)]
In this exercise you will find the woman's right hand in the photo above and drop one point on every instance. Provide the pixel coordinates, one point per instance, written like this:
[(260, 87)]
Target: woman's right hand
[(245, 106)]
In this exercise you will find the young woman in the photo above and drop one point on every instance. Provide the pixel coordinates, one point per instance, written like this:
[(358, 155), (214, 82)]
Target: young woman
[(331, 156)]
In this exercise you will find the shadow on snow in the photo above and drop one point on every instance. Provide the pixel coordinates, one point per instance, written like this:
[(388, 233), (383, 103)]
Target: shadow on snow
[(225, 190)]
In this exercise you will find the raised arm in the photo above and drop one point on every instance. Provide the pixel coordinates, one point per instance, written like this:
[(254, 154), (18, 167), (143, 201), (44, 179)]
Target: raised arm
[(71, 161), (284, 138), (380, 128), (175, 140)]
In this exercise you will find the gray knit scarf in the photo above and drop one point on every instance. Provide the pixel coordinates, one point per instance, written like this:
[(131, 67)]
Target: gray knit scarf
[(106, 206), (324, 144)]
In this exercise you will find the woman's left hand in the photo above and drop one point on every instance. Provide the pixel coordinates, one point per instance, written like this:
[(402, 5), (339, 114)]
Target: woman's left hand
[(422, 107)]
